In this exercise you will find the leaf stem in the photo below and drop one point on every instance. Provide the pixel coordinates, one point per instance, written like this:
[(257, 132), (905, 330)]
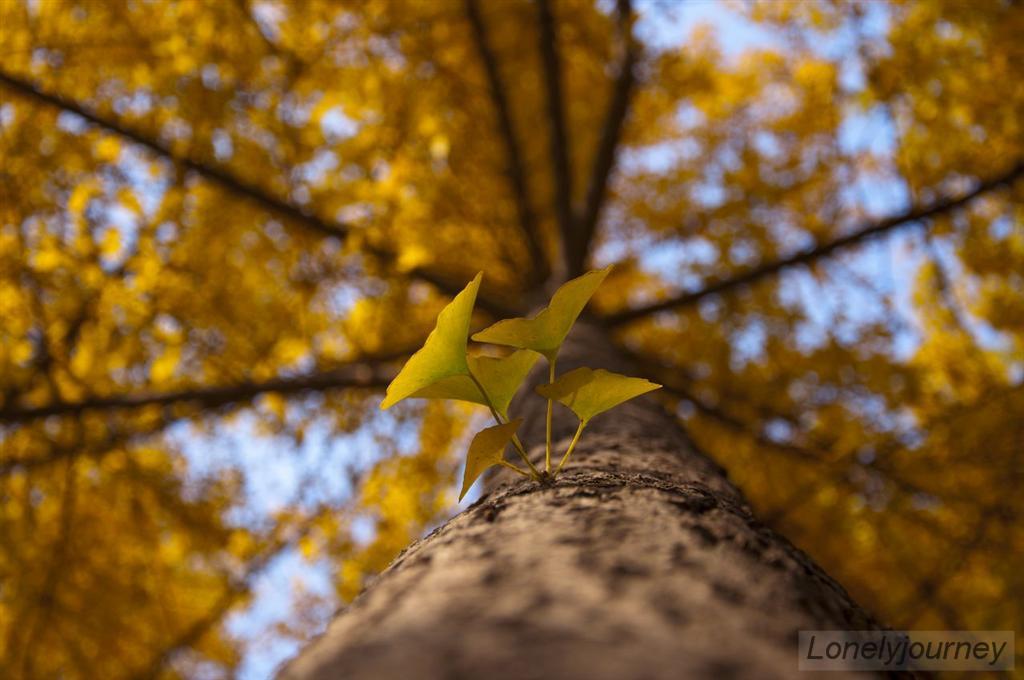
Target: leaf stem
[(572, 445), (520, 449), (547, 428), (515, 468)]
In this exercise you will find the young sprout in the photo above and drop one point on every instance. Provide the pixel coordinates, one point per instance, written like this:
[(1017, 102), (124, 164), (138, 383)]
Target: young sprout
[(442, 369)]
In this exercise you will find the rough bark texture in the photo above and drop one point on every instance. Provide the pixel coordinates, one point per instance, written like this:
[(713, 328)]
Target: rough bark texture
[(640, 561)]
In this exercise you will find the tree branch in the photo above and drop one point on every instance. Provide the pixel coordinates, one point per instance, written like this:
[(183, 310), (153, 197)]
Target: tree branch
[(215, 174), (604, 162), (559, 133), (227, 180), (356, 375), (516, 169), (864, 233)]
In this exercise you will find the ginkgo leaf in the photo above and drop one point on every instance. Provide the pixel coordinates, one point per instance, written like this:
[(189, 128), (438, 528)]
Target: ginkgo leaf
[(443, 355), (588, 392), (500, 377), (486, 450), (545, 332)]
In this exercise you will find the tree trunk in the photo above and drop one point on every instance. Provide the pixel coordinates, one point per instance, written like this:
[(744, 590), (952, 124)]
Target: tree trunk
[(640, 561)]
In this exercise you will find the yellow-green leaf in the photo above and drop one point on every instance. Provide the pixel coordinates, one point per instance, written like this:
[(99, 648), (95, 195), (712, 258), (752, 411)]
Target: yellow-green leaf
[(487, 449), (443, 355), (588, 392), (500, 377), (545, 332)]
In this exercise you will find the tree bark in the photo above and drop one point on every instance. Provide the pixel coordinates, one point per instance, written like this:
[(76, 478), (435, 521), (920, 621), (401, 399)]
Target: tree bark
[(640, 561)]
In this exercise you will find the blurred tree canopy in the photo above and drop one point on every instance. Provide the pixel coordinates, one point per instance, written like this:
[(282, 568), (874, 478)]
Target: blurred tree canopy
[(236, 216)]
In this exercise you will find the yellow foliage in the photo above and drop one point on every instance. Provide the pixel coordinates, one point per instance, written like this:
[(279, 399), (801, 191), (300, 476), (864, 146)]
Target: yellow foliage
[(259, 193)]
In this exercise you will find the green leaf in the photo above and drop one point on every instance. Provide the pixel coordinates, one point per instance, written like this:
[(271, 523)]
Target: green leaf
[(545, 332), (500, 377), (443, 355), (486, 450), (588, 392)]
